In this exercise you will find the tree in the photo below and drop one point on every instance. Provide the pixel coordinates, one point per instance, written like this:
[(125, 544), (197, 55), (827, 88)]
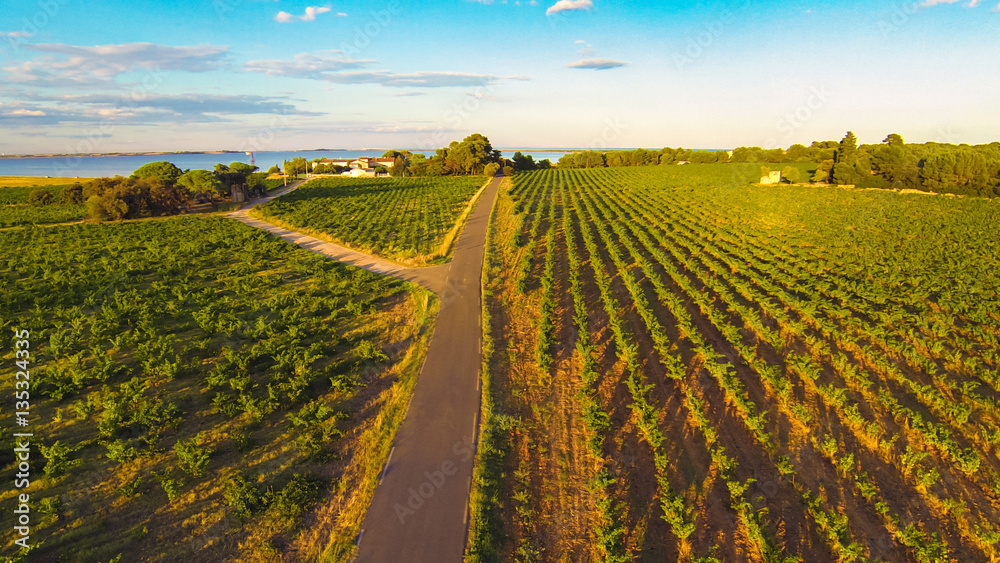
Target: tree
[(523, 162), (381, 170), (73, 194), (894, 139), (398, 166), (508, 171), (161, 170), (295, 166), (273, 170), (40, 197), (202, 183), (491, 169), (790, 174), (848, 168)]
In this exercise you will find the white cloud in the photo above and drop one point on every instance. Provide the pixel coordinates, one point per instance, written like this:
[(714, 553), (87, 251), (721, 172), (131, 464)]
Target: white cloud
[(305, 65), (16, 34), (564, 5), (65, 65), (312, 11), (596, 64), (969, 4), (31, 112), (309, 15), (323, 66)]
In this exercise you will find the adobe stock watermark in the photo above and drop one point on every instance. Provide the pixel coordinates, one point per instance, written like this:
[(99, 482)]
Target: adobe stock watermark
[(613, 129), (897, 17), (455, 115), (94, 137), (711, 31), (792, 121), (376, 22), (434, 481), (30, 26)]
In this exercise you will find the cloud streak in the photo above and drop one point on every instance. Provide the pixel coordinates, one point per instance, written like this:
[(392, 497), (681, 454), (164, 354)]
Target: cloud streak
[(596, 64), (346, 71), (309, 15), (568, 5), (65, 65)]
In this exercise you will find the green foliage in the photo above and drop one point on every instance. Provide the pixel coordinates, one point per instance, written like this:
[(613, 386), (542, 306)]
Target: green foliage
[(135, 197), (57, 459), (161, 170), (169, 485), (245, 498), (298, 496), (72, 194), (491, 169), (790, 174), (201, 182), (193, 457), (40, 197), (391, 216), (470, 156), (131, 488)]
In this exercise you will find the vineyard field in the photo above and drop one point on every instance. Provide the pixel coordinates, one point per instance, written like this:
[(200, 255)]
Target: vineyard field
[(704, 369), (15, 210), (405, 219), (200, 388)]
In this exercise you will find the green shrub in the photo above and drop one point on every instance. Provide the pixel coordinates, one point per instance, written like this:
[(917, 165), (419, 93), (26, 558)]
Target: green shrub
[(170, 485), (57, 459), (193, 457), (300, 494), (245, 498), (73, 194), (40, 197)]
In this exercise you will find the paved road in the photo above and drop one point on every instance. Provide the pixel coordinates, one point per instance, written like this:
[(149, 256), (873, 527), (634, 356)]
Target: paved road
[(420, 509)]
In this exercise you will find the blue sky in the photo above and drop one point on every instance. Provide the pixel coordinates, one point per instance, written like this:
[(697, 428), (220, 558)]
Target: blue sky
[(281, 75)]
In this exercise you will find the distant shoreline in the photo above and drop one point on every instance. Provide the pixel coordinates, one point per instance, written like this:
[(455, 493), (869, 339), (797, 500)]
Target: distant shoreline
[(154, 153), (170, 153)]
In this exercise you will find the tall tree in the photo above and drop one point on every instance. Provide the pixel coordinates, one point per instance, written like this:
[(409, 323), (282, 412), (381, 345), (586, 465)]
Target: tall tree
[(161, 170)]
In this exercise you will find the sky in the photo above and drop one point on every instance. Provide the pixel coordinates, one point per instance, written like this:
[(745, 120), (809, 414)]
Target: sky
[(258, 75)]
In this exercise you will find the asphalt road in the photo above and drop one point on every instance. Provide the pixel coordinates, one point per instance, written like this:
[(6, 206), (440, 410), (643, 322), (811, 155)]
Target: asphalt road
[(420, 509)]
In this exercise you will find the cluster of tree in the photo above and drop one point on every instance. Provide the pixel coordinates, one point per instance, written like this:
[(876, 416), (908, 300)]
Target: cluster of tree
[(892, 164), (934, 167), (160, 188), (525, 162), (471, 156), (131, 198), (640, 157)]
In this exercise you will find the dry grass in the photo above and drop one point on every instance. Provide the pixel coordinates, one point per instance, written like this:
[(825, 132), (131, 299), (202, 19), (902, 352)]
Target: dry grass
[(31, 181)]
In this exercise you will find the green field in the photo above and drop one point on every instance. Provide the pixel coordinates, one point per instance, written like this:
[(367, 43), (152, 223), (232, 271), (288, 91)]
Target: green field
[(703, 368), (198, 387), (15, 209), (406, 219)]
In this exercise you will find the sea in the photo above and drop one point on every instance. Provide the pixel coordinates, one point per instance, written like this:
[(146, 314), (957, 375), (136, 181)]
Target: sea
[(123, 165)]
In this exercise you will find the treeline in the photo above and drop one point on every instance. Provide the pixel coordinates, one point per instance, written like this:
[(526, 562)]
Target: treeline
[(931, 167), (892, 164), (642, 157), (158, 188)]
